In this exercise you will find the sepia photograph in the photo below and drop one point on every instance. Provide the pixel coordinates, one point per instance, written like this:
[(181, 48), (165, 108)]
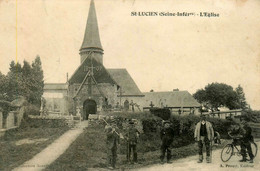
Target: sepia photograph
[(141, 85)]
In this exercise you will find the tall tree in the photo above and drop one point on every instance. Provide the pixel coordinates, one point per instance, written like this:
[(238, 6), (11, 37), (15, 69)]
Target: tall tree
[(3, 87), (27, 81), (241, 98), (38, 82), (14, 81), (215, 95)]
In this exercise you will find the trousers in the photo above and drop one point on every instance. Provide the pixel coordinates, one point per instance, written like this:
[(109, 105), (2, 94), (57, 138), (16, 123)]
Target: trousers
[(112, 156), (207, 144), (246, 145), (165, 149), (132, 147)]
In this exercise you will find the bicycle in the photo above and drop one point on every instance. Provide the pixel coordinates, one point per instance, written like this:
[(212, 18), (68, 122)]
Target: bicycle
[(229, 150)]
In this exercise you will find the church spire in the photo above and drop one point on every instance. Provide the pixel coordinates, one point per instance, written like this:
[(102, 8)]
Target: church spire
[(91, 41)]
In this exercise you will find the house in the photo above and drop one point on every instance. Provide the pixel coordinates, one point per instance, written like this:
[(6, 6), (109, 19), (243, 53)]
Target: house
[(179, 102)]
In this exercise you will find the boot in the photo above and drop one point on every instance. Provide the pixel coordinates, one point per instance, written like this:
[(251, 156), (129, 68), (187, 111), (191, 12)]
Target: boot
[(243, 160), (251, 161), (208, 159), (200, 159)]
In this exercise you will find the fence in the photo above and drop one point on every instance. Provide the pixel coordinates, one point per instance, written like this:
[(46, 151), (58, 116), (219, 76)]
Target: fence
[(224, 114)]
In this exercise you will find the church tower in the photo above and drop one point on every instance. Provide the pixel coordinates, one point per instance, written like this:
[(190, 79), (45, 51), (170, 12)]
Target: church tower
[(91, 41)]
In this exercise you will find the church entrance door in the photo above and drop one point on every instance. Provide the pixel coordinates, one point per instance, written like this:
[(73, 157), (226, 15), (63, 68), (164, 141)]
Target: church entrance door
[(89, 107)]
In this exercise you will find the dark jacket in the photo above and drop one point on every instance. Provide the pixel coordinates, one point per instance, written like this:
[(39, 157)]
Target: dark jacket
[(167, 135), (132, 135), (247, 133), (112, 138)]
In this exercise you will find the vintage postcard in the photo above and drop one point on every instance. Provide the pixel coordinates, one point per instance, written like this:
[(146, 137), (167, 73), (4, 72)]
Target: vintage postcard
[(129, 85)]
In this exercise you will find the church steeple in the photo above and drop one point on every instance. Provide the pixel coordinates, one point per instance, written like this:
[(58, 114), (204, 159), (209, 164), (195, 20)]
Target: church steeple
[(91, 41)]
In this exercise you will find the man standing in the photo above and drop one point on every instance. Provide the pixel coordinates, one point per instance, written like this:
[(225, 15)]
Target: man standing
[(133, 106), (112, 142), (245, 140), (132, 137), (204, 133), (167, 135)]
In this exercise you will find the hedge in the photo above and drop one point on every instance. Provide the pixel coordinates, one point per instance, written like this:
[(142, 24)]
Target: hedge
[(183, 127)]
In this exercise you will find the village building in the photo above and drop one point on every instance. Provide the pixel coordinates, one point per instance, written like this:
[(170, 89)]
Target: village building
[(179, 102), (93, 88)]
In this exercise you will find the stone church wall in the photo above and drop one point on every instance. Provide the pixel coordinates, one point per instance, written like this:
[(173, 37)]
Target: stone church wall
[(107, 89)]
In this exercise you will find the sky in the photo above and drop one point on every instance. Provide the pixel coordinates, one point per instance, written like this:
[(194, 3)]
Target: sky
[(160, 52)]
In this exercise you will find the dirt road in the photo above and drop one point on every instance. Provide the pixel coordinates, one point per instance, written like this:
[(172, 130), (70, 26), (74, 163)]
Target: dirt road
[(190, 163)]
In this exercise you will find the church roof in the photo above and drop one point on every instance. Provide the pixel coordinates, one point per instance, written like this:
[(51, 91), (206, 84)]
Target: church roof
[(91, 37), (100, 73), (170, 98), (125, 81)]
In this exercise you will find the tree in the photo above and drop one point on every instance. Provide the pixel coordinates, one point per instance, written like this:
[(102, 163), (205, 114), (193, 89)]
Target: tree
[(3, 86), (241, 98), (14, 81), (38, 83), (26, 80), (215, 95)]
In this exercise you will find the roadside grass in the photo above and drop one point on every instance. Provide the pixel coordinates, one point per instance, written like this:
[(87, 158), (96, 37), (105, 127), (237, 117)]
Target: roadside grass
[(88, 151), (21, 144)]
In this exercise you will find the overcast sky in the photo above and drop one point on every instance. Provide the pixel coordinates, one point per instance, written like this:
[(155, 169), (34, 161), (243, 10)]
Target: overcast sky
[(160, 53)]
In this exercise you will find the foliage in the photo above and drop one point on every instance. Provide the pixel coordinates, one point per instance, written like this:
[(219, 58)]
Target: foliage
[(31, 109), (13, 155), (89, 151), (26, 80), (241, 98), (215, 95), (183, 126), (44, 123), (252, 115)]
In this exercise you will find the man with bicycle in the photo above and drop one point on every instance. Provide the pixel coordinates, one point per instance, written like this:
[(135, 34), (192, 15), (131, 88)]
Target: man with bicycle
[(246, 140), (241, 134)]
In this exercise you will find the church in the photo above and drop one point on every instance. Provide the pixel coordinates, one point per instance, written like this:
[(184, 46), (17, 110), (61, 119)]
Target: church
[(93, 88)]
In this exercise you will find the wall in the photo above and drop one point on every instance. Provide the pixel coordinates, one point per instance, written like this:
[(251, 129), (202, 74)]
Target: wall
[(56, 101), (108, 90)]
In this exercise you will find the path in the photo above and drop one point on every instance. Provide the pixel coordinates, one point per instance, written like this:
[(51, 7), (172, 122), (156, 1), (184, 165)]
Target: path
[(53, 151), (190, 163)]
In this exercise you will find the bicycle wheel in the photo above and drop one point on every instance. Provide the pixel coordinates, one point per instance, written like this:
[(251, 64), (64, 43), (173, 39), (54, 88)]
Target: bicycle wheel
[(254, 148), (227, 152)]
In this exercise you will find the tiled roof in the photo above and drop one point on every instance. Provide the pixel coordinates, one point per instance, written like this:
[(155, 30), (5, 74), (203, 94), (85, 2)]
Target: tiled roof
[(124, 80), (169, 98)]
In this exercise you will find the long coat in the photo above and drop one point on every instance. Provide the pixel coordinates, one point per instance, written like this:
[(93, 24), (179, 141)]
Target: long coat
[(210, 131)]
